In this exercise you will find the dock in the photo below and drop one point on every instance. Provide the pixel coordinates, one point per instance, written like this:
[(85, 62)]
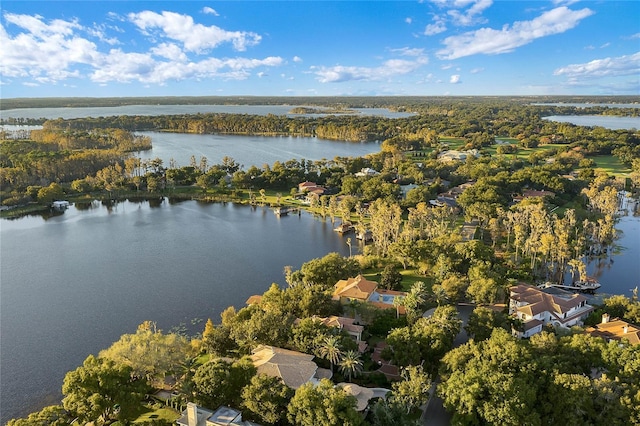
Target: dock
[(589, 286), (283, 211)]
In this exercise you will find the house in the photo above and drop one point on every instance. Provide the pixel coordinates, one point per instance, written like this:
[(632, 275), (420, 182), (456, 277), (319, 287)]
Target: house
[(294, 368), (358, 288), (223, 416), (306, 186), (311, 187), (453, 155), (367, 172), (363, 395), (452, 195), (347, 324), (342, 323), (536, 308), (362, 290), (615, 329)]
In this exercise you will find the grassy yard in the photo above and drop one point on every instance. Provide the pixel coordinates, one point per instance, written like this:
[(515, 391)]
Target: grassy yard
[(611, 165), (160, 416)]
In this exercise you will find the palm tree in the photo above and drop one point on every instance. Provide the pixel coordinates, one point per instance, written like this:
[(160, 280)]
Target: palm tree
[(330, 350), (350, 364)]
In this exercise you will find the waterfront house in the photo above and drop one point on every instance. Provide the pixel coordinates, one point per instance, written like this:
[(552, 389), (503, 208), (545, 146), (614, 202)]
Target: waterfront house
[(294, 368), (362, 290), (615, 329), (536, 308), (358, 288)]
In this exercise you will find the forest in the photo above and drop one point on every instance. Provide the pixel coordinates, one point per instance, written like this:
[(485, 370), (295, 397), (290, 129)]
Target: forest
[(417, 245)]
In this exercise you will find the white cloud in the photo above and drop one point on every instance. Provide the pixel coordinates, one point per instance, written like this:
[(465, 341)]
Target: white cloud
[(454, 79), (297, 59), (407, 51), (51, 51), (490, 41), (436, 28), (195, 37), (476, 70), (390, 68), (471, 15), (44, 52), (127, 67), (210, 11), (408, 20), (169, 51), (606, 67)]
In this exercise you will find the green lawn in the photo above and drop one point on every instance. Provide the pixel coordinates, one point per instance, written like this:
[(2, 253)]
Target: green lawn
[(160, 416), (611, 165), (523, 153)]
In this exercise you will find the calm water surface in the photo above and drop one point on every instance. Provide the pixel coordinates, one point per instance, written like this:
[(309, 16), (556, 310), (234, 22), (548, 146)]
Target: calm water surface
[(248, 150), (606, 121), (72, 284), (52, 113)]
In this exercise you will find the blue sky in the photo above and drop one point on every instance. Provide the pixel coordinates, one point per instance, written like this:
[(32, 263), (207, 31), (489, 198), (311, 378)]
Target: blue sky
[(319, 48)]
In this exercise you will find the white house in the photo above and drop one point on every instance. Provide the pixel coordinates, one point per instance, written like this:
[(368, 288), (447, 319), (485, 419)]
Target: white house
[(536, 308), (367, 172)]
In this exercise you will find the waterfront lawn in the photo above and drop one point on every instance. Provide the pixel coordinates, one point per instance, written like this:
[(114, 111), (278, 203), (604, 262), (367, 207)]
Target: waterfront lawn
[(158, 416)]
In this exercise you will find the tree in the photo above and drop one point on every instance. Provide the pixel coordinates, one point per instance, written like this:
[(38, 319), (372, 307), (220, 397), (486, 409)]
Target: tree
[(150, 353), (490, 382), (220, 382), (323, 404), (350, 364), (308, 335), (328, 270), (53, 415), (386, 220), (95, 390), (391, 279), (50, 193), (266, 398), (330, 350), (413, 390), (415, 300), (385, 413), (483, 320)]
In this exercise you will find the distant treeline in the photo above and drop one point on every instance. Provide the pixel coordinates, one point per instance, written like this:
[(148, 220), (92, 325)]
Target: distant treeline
[(392, 102)]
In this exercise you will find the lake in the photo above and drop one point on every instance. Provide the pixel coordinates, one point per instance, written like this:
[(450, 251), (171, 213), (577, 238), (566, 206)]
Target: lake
[(607, 121), (73, 283), (249, 150), (52, 113)]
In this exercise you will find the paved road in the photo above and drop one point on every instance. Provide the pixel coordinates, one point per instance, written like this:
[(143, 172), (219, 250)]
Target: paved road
[(435, 414)]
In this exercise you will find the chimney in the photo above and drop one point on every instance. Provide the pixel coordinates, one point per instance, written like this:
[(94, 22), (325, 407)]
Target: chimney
[(605, 318), (192, 414), (625, 329)]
